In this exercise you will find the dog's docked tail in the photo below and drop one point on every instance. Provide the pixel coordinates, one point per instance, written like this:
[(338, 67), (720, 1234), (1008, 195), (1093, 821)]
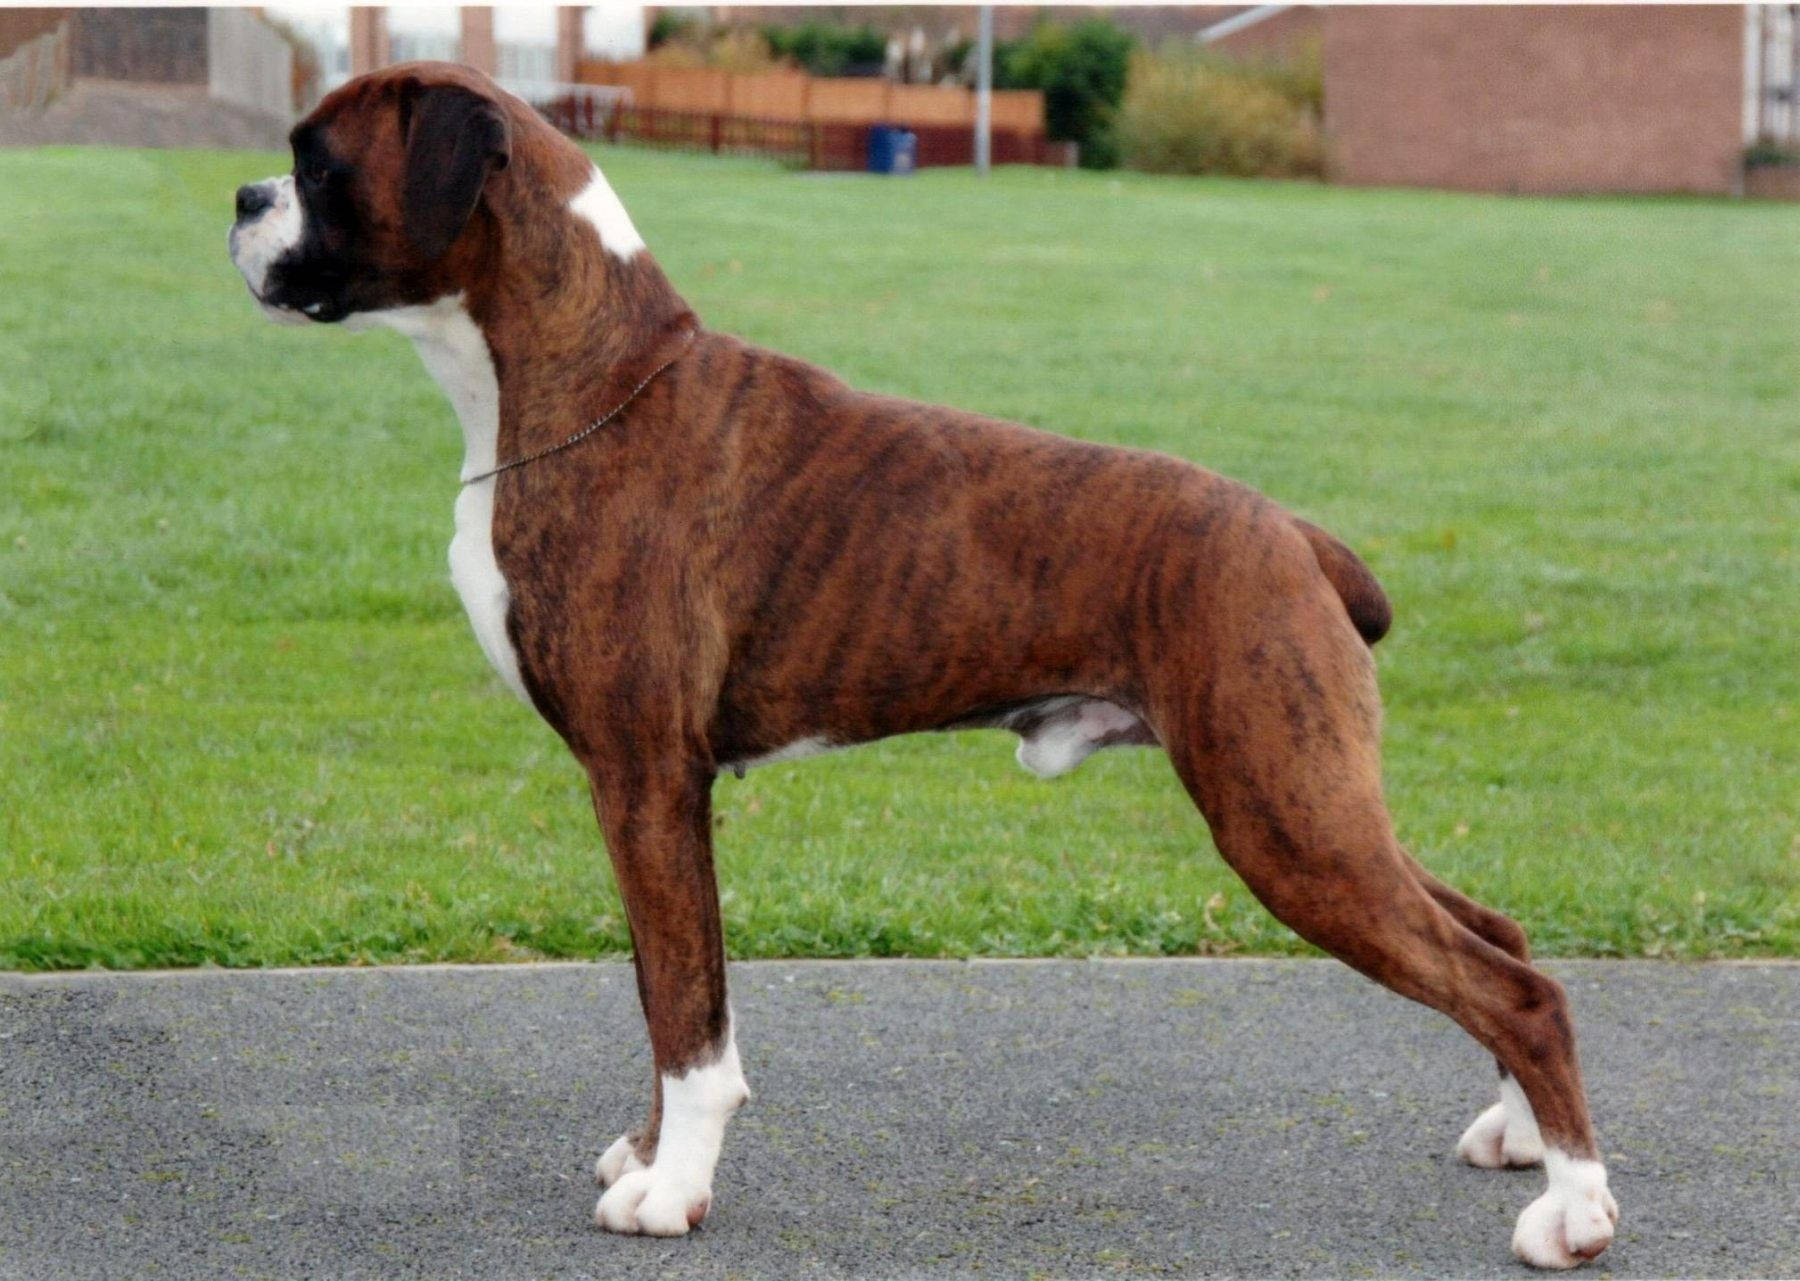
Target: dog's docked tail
[(1363, 598)]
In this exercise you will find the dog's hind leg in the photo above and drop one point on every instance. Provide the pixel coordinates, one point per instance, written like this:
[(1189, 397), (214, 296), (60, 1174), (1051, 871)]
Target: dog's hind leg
[(657, 817), (1277, 742), (1506, 1134)]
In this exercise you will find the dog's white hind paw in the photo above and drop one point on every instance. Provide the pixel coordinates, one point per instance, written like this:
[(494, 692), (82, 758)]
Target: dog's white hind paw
[(646, 1202), (1494, 1142), (619, 1159), (1504, 1136), (1573, 1221)]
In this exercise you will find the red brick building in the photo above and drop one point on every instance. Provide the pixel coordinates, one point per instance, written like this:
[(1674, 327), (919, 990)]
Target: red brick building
[(1635, 98)]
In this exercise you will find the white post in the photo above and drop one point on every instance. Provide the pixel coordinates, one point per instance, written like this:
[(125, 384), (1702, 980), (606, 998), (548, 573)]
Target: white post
[(984, 92)]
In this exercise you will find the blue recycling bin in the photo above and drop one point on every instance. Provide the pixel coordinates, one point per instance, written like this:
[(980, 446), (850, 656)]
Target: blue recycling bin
[(892, 150)]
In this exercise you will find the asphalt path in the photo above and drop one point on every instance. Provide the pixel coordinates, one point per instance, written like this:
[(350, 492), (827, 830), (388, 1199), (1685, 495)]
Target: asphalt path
[(910, 1119)]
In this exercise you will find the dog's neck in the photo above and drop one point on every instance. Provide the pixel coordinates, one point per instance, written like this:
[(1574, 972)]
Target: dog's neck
[(564, 307)]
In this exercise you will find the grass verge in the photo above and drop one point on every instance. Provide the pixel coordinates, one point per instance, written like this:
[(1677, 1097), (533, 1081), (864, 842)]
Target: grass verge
[(242, 721)]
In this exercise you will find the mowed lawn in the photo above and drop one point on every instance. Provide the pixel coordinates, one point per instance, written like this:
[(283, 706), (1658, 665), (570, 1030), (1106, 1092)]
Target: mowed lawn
[(242, 720)]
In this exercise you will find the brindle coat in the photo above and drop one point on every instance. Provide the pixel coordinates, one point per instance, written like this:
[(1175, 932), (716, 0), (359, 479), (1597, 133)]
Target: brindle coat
[(753, 554)]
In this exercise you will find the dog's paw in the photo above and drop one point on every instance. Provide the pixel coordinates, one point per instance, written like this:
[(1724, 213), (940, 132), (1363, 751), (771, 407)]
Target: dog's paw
[(619, 1159), (1573, 1221), (651, 1203), (1495, 1141), (1504, 1136)]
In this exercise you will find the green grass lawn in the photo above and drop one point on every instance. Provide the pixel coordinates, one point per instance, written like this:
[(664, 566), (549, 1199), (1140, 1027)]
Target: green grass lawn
[(242, 720)]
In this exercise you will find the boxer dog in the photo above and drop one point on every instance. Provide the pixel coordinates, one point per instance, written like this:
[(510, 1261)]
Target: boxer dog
[(690, 554)]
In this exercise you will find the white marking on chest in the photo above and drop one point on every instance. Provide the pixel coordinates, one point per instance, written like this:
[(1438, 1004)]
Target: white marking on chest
[(599, 204), (456, 354)]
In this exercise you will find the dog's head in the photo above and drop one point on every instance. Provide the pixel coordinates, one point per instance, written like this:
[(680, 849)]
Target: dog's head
[(384, 207)]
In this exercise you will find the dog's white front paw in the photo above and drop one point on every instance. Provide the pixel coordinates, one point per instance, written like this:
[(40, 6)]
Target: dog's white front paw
[(619, 1159), (1573, 1221), (653, 1203), (674, 1192), (1506, 1135)]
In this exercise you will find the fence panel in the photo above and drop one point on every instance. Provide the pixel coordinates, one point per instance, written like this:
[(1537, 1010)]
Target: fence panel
[(930, 105), (849, 100), (793, 95), (689, 89), (1018, 109), (771, 95)]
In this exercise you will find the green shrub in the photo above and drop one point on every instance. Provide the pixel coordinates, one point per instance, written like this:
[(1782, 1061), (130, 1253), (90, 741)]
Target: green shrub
[(737, 49), (1300, 77), (670, 26), (1186, 113), (1081, 70), (828, 50), (1766, 151)]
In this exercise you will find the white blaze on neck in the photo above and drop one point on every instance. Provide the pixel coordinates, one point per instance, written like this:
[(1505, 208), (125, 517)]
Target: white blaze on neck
[(599, 204), (456, 354)]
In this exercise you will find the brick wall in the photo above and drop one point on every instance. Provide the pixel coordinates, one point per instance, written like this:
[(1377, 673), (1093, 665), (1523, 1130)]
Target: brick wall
[(1536, 98), (1281, 37)]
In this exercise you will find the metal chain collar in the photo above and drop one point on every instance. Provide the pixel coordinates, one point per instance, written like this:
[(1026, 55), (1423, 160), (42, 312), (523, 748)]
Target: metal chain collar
[(594, 426)]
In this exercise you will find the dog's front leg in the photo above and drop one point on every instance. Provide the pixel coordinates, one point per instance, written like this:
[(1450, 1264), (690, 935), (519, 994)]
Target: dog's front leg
[(657, 817)]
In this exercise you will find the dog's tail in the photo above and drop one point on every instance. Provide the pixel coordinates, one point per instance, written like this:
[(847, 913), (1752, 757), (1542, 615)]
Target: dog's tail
[(1363, 598)]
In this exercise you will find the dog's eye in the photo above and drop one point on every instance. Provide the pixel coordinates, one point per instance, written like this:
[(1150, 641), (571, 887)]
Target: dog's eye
[(315, 175)]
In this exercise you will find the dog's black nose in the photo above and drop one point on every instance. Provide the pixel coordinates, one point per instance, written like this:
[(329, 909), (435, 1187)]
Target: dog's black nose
[(252, 199)]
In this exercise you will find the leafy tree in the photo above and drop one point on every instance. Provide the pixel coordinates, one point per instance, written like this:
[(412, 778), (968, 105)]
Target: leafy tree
[(1081, 70)]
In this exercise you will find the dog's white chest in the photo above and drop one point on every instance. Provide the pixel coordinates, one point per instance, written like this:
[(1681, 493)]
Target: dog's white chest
[(456, 355), (476, 574)]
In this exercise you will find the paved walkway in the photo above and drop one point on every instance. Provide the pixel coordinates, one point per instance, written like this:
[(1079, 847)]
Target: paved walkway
[(1206, 1119)]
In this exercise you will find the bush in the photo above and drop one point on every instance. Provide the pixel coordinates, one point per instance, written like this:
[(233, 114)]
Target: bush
[(721, 48), (1766, 151), (1184, 113), (827, 50), (670, 27), (1081, 70)]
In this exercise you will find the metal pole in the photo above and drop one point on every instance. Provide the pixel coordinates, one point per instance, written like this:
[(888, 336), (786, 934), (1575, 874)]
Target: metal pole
[(1793, 100), (984, 92)]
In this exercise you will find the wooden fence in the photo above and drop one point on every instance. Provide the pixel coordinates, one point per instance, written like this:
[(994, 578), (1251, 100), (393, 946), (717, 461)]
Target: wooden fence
[(818, 122), (814, 144), (795, 96)]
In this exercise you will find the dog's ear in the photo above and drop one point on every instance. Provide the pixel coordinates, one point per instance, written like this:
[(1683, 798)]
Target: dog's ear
[(454, 139)]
